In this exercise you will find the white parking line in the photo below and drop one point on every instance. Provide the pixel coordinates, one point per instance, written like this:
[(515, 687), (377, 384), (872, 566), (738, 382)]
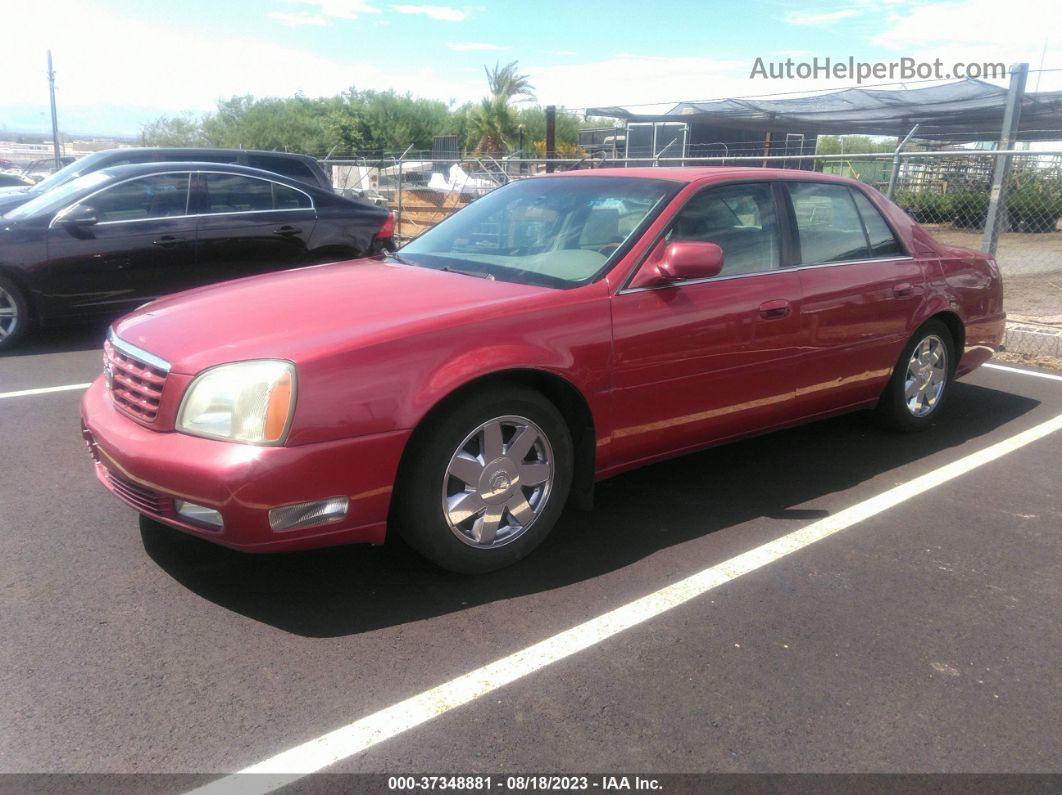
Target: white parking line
[(344, 742), (43, 390), (1024, 372)]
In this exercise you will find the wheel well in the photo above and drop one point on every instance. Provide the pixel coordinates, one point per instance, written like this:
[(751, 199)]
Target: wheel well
[(958, 331), (568, 400)]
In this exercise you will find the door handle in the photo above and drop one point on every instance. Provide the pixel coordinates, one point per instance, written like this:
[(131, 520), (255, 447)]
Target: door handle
[(286, 230), (774, 310), (169, 241), (903, 290)]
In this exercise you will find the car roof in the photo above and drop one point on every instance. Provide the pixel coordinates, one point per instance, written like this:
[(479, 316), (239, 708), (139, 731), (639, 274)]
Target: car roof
[(140, 169), (690, 174), (193, 150)]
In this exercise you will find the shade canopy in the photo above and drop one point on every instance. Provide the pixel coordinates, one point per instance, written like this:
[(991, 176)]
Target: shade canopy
[(969, 110)]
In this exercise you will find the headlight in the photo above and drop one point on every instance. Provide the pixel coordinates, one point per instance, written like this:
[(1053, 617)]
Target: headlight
[(249, 402)]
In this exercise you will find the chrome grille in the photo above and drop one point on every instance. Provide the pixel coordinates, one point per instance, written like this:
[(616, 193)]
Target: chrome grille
[(136, 386)]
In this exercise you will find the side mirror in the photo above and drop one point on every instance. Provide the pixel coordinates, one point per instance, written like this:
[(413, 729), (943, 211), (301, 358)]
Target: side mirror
[(79, 215), (680, 262)]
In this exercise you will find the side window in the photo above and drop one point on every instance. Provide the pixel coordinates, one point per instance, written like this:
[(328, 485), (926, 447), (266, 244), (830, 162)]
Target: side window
[(232, 193), (739, 219), (285, 198), (157, 196), (285, 166), (883, 242), (827, 222)]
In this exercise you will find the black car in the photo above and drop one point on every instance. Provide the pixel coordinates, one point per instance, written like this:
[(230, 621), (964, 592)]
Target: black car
[(108, 241), (302, 168)]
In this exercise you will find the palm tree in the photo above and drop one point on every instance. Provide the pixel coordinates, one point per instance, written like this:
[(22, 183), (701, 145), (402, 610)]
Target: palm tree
[(504, 81), (492, 124)]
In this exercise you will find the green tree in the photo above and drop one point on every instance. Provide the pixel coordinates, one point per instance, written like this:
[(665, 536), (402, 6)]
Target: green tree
[(183, 130), (852, 145), (492, 125), (505, 81)]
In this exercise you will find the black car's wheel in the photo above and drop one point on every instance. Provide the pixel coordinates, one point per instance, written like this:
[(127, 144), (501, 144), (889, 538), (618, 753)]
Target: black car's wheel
[(920, 384), (484, 485), (14, 314)]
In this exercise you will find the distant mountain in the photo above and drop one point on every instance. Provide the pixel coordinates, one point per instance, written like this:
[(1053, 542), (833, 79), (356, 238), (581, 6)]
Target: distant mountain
[(79, 120)]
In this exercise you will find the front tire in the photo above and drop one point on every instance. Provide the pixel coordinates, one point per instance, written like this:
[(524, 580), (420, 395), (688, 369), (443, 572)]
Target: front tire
[(14, 314), (920, 384), (486, 482)]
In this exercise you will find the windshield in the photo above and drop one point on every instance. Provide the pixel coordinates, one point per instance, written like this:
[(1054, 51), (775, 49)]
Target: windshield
[(56, 199), (65, 174), (549, 231)]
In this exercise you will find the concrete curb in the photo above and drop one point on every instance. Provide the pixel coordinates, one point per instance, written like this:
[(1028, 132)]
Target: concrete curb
[(1043, 339)]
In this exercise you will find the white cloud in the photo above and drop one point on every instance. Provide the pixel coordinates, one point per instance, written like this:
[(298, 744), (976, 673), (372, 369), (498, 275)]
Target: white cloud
[(442, 13), (813, 18), (122, 63), (976, 31), (474, 46), (294, 19), (332, 9)]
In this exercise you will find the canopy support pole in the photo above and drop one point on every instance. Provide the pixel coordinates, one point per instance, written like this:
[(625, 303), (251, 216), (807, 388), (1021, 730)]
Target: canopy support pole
[(996, 219), (896, 163)]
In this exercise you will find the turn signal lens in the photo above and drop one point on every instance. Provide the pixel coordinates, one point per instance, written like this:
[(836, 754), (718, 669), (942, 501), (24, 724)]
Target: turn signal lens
[(278, 409)]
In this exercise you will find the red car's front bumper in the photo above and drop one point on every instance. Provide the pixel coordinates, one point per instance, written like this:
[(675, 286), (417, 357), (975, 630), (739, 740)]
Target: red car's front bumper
[(149, 470)]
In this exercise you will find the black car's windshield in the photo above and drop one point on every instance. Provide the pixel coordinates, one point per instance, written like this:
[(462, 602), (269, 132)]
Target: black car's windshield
[(549, 231), (60, 197)]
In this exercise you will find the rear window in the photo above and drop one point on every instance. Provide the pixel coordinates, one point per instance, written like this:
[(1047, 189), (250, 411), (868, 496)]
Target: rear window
[(883, 242), (230, 193), (285, 166)]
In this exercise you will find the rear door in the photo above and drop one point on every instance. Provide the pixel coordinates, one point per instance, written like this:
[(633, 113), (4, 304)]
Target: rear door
[(142, 246), (861, 291), (703, 360), (250, 225)]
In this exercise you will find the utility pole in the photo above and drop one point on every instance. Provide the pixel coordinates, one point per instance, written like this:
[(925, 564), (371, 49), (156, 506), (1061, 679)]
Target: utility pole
[(551, 136), (55, 120)]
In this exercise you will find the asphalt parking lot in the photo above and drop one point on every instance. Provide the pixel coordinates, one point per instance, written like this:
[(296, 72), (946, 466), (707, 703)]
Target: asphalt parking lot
[(919, 637)]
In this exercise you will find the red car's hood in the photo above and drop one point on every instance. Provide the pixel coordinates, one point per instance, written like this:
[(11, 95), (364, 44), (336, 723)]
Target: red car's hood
[(308, 312)]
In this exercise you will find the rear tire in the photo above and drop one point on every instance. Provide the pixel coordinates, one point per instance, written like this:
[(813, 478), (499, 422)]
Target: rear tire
[(920, 384), (14, 314), (486, 482)]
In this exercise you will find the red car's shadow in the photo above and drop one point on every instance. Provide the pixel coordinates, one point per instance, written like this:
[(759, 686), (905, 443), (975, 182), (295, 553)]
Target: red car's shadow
[(346, 590)]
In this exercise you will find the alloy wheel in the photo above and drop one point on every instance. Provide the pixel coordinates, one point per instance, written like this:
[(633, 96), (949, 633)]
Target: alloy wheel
[(498, 482), (9, 318), (927, 375)]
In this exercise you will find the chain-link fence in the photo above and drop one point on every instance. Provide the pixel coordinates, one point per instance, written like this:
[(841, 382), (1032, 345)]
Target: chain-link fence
[(948, 192)]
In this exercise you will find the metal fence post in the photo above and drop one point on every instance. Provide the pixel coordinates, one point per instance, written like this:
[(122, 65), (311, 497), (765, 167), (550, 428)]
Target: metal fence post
[(896, 163), (997, 203), (398, 214)]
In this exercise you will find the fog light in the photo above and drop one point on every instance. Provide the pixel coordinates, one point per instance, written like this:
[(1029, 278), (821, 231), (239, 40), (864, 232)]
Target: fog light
[(199, 514), (308, 514)]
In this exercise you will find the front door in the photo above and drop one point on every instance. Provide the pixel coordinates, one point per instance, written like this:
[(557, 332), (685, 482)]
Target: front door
[(701, 361), (249, 225), (141, 244)]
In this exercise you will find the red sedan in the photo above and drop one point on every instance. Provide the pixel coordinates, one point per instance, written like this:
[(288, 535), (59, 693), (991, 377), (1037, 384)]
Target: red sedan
[(556, 332)]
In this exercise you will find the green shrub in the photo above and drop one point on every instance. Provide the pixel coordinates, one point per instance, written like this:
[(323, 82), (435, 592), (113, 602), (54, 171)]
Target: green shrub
[(1034, 208), (969, 209)]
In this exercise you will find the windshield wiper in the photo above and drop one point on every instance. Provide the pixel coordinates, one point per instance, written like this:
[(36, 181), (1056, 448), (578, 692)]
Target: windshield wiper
[(478, 274)]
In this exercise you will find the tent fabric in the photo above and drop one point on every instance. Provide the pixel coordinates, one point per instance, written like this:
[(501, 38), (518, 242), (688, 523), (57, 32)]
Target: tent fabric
[(969, 110)]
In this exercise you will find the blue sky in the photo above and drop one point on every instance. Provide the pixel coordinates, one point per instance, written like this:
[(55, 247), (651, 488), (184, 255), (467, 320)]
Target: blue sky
[(121, 62)]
